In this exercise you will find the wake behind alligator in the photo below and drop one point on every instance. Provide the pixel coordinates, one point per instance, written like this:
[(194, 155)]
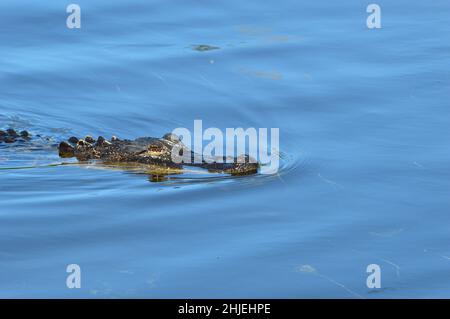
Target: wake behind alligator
[(155, 154)]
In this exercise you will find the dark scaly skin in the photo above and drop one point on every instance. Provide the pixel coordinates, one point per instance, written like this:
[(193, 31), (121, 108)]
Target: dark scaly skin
[(156, 152)]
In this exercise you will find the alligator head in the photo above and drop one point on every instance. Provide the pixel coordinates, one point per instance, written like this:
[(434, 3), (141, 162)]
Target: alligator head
[(152, 151)]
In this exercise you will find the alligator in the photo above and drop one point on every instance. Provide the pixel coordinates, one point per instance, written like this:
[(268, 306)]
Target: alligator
[(149, 151)]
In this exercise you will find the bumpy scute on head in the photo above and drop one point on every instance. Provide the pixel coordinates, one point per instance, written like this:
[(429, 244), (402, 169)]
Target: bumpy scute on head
[(156, 152)]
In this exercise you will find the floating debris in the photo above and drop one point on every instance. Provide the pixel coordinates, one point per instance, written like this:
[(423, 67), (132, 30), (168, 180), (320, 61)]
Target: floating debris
[(305, 268), (204, 47)]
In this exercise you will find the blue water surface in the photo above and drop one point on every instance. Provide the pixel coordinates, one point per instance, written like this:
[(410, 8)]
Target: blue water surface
[(364, 121)]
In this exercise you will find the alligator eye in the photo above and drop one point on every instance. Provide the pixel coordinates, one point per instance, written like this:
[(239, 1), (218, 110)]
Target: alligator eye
[(155, 148)]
